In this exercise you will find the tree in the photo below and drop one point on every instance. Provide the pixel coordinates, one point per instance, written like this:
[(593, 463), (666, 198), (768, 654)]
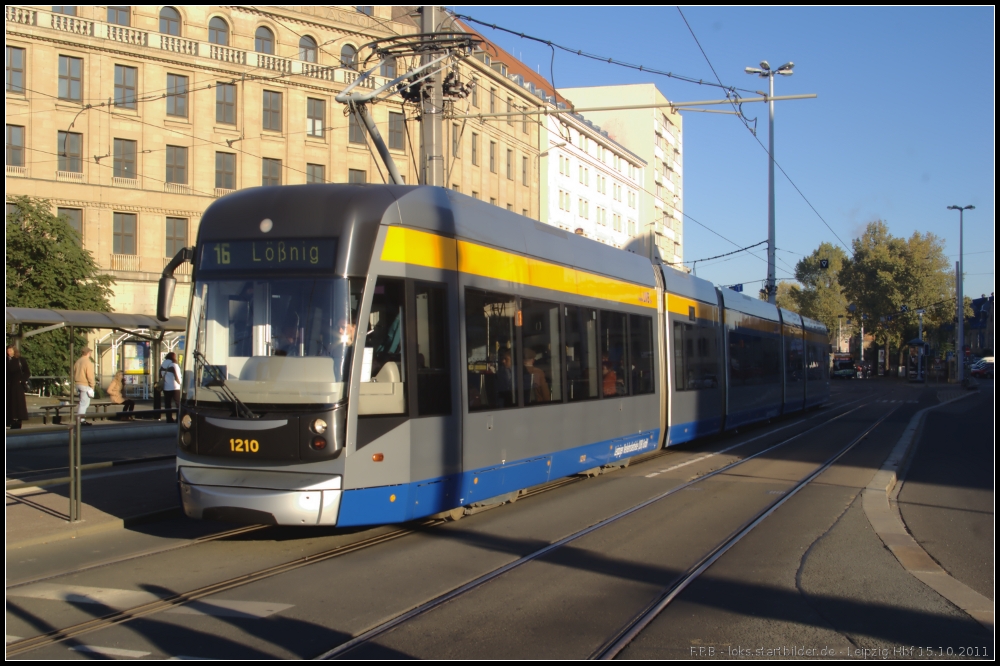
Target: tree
[(820, 297), (889, 278), (48, 268)]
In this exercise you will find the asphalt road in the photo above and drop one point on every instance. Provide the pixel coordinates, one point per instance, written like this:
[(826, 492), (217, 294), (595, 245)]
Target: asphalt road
[(813, 576)]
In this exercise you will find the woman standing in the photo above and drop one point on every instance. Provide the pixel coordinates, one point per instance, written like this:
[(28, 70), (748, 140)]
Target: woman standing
[(17, 382), (115, 391), (171, 373)]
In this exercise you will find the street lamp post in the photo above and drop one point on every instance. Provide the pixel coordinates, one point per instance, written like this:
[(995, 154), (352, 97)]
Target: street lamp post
[(765, 71), (960, 278)]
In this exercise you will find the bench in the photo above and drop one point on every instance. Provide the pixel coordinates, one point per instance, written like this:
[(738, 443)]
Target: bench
[(57, 418)]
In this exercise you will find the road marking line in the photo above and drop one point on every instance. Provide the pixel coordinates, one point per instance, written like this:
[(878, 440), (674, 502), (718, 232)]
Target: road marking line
[(124, 599), (110, 651)]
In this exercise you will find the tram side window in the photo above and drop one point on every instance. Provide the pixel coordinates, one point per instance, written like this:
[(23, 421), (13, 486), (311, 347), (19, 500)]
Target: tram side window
[(490, 337), (541, 373), (754, 358), (433, 376), (641, 347), (581, 353), (696, 357), (816, 368), (383, 371), (794, 356), (614, 380)]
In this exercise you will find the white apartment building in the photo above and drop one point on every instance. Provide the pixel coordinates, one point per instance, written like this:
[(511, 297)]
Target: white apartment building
[(655, 136), (591, 185)]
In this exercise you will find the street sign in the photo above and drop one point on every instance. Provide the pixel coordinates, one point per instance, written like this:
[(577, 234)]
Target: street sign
[(824, 263), (736, 287)]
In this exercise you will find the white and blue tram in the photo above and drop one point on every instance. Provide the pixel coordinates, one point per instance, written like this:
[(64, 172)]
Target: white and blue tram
[(362, 354)]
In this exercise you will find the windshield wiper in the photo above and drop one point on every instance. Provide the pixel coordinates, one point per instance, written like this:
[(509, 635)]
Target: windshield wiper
[(218, 380)]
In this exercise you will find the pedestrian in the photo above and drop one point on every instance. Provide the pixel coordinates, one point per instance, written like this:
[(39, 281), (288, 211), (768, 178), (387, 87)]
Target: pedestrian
[(115, 392), (83, 377), (170, 372), (17, 385)]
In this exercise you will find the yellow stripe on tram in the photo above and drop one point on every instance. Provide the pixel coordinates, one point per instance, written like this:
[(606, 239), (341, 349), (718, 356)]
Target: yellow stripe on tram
[(419, 248)]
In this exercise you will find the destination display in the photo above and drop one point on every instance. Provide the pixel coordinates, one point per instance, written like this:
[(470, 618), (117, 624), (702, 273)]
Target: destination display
[(291, 254)]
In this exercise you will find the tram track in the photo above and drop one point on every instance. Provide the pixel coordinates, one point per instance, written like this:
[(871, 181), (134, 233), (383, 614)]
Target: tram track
[(172, 601), (369, 635)]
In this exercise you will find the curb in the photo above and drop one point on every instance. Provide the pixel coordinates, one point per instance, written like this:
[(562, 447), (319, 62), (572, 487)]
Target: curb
[(92, 435), (888, 524), (104, 526)]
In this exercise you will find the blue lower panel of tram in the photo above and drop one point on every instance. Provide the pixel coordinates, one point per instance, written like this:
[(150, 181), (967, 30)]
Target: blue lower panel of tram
[(395, 504), (685, 432)]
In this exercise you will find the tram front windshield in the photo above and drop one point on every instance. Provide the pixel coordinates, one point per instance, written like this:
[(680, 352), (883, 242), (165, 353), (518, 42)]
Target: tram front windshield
[(278, 340)]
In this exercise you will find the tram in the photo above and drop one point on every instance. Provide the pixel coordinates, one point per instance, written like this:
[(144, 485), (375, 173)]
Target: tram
[(370, 354)]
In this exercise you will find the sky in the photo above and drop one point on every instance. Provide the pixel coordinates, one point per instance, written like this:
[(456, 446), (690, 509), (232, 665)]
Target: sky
[(902, 126)]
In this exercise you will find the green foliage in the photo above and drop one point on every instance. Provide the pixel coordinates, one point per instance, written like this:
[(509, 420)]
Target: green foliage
[(887, 273), (48, 268), (821, 296)]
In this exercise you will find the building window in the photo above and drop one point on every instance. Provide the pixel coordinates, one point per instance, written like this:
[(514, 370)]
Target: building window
[(315, 116), (388, 69), (493, 156), (74, 218), (355, 133), (225, 171), (357, 176), (397, 131), (15, 145), (493, 100), (218, 32), (71, 152), (475, 195), (263, 41), (493, 201), (510, 164), (177, 95), (455, 187), (475, 149), (124, 159), (119, 16), (124, 233), (584, 209), (225, 103), (70, 78), (125, 82), (367, 10), (524, 170), (315, 173), (524, 212), (15, 70), (475, 92), (307, 49), (272, 111), (177, 160), (170, 22), (66, 11), (631, 228), (270, 172), (510, 107), (177, 235), (455, 141), (510, 207), (348, 57)]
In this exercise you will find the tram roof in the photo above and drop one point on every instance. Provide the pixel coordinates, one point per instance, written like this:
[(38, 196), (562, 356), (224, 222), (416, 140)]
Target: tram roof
[(353, 213)]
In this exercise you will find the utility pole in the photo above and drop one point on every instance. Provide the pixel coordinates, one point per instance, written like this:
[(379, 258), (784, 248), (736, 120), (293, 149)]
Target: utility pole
[(432, 111), (765, 71), (961, 297)]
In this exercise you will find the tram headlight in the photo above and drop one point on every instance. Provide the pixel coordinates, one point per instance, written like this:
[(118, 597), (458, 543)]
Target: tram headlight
[(318, 426), (186, 439), (186, 421)]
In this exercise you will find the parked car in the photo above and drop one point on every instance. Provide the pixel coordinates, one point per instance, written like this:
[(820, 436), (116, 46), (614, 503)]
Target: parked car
[(983, 371)]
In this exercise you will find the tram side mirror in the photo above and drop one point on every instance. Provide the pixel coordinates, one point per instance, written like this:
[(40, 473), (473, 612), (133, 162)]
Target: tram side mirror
[(165, 297)]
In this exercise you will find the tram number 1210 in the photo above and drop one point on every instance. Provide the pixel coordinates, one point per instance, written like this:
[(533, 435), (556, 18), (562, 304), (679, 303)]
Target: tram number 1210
[(244, 445)]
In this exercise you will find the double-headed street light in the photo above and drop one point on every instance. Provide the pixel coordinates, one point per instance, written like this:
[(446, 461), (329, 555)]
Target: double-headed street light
[(959, 279), (765, 71)]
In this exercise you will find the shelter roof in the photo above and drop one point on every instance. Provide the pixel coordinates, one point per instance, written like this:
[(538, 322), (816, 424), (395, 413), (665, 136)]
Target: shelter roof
[(87, 319)]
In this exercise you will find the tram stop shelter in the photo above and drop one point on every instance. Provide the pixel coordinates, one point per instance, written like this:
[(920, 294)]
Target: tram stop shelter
[(146, 327), (917, 360)]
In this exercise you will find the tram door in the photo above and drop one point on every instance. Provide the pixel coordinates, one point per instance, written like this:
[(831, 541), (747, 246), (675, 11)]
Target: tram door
[(406, 379)]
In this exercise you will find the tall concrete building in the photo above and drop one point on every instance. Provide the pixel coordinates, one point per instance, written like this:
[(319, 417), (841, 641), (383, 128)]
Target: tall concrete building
[(655, 136), (131, 120)]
